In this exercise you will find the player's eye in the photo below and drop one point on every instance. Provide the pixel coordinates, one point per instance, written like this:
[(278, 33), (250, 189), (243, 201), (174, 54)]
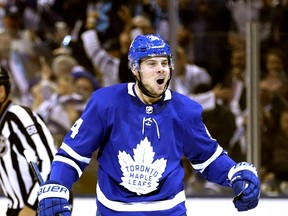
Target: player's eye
[(165, 64)]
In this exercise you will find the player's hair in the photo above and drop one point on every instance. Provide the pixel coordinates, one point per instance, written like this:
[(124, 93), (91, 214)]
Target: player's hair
[(5, 79), (149, 45)]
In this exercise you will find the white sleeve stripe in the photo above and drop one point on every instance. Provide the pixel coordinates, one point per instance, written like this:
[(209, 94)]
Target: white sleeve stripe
[(73, 154), (234, 170), (140, 206), (201, 167), (70, 162)]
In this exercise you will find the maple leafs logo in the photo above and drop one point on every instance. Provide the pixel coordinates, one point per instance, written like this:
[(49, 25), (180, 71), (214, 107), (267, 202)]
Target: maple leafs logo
[(140, 174)]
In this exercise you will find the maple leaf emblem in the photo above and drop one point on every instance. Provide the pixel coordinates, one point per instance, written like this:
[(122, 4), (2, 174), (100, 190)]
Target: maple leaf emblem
[(140, 174)]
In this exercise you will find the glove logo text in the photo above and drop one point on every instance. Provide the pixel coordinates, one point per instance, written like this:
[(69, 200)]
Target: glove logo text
[(52, 189)]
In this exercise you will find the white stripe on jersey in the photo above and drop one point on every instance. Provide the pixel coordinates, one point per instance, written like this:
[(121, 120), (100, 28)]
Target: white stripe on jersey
[(70, 162), (74, 154), (201, 167), (140, 206)]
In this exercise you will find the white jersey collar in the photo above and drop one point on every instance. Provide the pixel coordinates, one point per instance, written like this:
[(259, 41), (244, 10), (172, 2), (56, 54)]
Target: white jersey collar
[(130, 85)]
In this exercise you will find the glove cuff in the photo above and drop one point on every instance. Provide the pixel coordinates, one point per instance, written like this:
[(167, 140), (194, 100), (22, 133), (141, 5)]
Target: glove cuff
[(241, 166), (53, 190)]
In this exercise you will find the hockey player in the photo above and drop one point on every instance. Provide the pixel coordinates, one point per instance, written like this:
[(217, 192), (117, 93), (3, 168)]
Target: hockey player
[(21, 129), (142, 131)]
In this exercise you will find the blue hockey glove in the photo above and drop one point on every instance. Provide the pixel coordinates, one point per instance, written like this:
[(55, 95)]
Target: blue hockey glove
[(53, 200), (246, 186)]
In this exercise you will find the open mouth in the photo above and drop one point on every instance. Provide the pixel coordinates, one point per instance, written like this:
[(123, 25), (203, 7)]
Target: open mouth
[(160, 81)]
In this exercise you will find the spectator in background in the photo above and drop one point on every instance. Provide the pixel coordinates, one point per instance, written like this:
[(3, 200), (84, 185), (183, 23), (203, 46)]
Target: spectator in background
[(45, 86), (84, 82), (188, 76), (185, 40), (273, 89), (12, 20), (268, 18), (275, 158), (109, 57), (109, 22), (242, 11), (235, 80), (161, 21), (59, 109), (190, 79), (271, 107), (210, 23), (274, 72), (50, 72), (12, 60), (106, 61), (22, 60), (12, 35), (280, 27), (63, 64), (63, 35), (56, 38)]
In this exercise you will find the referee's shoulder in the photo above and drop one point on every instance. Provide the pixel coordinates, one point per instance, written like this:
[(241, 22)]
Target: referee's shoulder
[(19, 109)]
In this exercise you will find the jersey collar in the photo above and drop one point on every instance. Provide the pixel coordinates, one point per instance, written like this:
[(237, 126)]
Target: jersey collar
[(167, 95)]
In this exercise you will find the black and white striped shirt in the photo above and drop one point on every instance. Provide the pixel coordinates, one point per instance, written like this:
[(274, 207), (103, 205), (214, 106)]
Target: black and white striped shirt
[(21, 129)]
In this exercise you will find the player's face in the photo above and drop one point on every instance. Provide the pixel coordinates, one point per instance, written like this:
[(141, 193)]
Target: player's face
[(155, 73)]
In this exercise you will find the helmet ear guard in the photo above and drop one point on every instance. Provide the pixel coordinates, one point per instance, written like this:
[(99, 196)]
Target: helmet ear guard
[(134, 65), (149, 45)]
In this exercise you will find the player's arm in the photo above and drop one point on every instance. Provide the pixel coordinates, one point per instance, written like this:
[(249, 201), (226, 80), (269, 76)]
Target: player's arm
[(67, 168), (53, 196), (209, 158), (71, 159)]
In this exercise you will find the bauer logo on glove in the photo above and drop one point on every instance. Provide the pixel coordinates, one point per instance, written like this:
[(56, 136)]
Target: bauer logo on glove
[(53, 199), (51, 190)]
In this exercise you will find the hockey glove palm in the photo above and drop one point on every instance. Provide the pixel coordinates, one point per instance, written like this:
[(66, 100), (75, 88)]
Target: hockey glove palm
[(53, 200), (246, 186)]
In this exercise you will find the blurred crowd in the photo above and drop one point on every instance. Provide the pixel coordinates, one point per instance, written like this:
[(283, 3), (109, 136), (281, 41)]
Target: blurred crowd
[(59, 52)]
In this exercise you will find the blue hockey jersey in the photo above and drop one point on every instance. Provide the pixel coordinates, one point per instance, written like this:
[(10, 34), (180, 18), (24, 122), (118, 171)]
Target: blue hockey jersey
[(140, 150)]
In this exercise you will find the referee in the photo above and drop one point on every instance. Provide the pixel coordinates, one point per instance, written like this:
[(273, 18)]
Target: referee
[(20, 129)]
